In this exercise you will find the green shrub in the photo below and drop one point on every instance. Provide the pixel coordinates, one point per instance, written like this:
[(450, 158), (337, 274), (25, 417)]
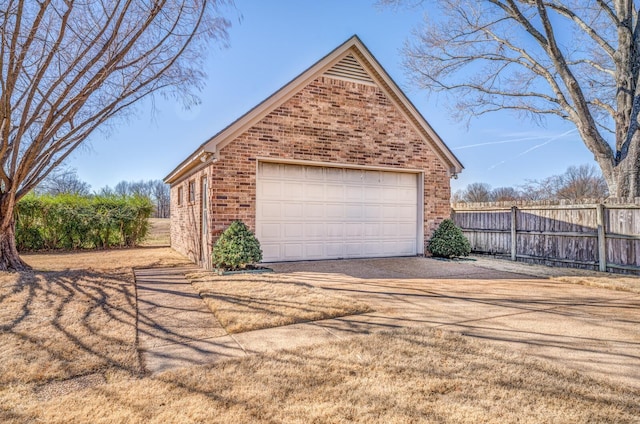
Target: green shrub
[(448, 241), (236, 248), (81, 222)]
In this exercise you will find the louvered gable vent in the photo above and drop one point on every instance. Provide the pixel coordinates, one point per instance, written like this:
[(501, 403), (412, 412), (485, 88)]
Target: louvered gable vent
[(350, 69)]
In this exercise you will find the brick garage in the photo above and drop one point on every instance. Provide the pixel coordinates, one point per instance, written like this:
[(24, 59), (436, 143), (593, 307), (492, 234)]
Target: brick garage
[(337, 163)]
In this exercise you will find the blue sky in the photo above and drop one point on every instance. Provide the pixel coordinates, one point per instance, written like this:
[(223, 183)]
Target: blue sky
[(271, 42)]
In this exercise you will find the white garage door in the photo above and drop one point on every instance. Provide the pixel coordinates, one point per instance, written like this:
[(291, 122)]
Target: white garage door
[(311, 212)]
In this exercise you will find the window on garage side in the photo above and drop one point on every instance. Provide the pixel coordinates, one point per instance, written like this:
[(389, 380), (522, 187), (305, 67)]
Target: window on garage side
[(192, 191), (180, 196)]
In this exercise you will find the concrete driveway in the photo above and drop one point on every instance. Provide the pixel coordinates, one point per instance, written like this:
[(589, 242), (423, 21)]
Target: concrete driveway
[(594, 331)]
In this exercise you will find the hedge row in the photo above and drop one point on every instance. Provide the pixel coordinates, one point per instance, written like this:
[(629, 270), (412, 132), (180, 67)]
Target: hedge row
[(79, 222)]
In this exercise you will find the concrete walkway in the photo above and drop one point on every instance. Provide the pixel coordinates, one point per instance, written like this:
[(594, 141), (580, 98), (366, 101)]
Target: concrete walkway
[(177, 329)]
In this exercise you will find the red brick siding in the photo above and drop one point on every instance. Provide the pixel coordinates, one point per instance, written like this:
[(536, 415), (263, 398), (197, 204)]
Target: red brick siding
[(330, 120)]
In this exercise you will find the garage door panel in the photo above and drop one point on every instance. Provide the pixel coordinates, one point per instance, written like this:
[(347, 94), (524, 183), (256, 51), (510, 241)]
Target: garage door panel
[(406, 213), (334, 192), (390, 212), (335, 210), (311, 212), (372, 194), (295, 172), (406, 230), (372, 177), (270, 251), (372, 230), (389, 179), (334, 230), (353, 176), (314, 250), (389, 229), (405, 195), (406, 247), (290, 190), (334, 174), (334, 250), (271, 170), (271, 210), (314, 211), (353, 193), (292, 210), (389, 195), (293, 230), (372, 212), (354, 230), (407, 180), (271, 231), (313, 191), (293, 251), (353, 212), (272, 189), (314, 230), (314, 173), (354, 250)]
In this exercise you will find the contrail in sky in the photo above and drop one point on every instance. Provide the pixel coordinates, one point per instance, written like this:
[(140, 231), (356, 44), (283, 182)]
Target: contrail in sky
[(489, 143), (534, 147)]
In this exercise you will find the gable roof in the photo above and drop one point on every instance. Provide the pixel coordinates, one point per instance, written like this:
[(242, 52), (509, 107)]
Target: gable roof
[(352, 61)]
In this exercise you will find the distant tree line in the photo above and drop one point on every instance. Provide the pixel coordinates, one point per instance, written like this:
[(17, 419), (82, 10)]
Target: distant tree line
[(66, 181), (577, 182)]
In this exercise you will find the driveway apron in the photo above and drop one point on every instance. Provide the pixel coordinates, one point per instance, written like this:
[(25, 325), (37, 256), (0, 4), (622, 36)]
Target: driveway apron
[(591, 330)]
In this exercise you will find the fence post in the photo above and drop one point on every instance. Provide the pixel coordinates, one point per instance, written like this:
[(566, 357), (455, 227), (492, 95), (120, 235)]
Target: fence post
[(602, 242), (514, 233)]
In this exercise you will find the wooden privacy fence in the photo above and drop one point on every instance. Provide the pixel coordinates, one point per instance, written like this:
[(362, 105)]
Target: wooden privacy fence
[(600, 236)]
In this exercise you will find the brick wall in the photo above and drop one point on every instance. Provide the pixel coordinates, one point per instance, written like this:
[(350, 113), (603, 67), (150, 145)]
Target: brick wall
[(330, 120)]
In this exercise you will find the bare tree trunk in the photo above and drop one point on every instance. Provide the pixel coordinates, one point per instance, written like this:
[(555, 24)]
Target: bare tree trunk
[(624, 180), (9, 256)]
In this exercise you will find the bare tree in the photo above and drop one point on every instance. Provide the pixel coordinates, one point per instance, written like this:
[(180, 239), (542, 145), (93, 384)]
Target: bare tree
[(578, 60), (477, 192), (578, 182), (70, 67), (63, 181), (156, 190), (161, 198), (504, 194)]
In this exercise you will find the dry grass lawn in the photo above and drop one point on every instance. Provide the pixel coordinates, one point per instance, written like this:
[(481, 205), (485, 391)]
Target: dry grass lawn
[(159, 233), (73, 315), (246, 302), (68, 355), (399, 377), (584, 277)]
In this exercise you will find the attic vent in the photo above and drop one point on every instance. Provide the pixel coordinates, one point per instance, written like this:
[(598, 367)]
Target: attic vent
[(349, 68)]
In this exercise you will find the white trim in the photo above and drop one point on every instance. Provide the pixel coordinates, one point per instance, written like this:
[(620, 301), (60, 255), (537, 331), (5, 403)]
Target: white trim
[(420, 220), (285, 161)]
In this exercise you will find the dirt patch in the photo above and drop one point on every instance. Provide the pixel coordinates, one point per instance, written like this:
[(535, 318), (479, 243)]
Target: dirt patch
[(246, 302), (53, 389)]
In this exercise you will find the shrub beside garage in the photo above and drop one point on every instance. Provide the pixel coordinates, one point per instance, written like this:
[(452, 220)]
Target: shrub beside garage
[(45, 222)]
